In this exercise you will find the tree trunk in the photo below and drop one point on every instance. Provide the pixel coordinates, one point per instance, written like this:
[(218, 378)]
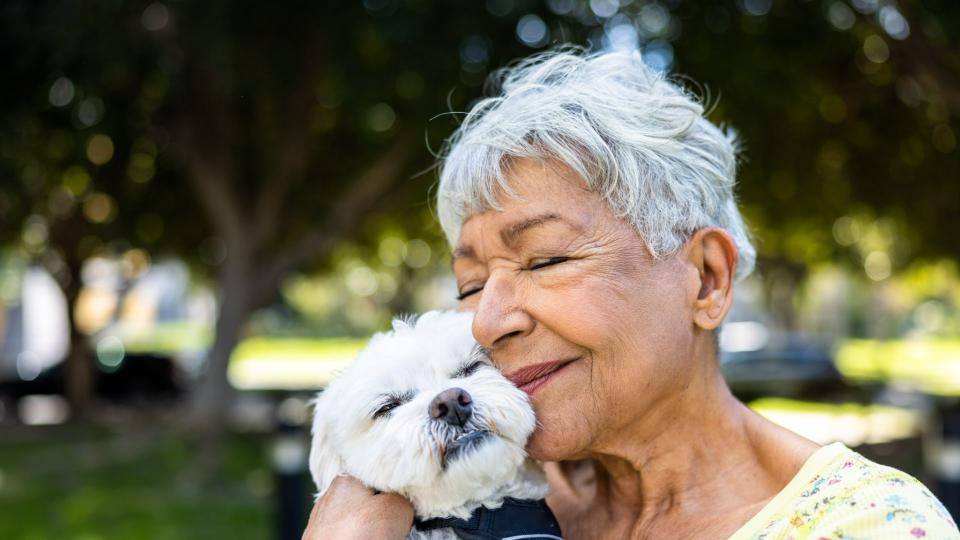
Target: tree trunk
[(79, 371), (213, 397)]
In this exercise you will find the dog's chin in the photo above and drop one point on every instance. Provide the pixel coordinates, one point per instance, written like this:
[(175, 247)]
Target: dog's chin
[(477, 466), (480, 458), (463, 446)]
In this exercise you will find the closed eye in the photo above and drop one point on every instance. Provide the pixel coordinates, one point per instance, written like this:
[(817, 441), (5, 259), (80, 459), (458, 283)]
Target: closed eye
[(385, 409), (535, 266), (470, 292), (390, 403), (547, 262), (469, 370)]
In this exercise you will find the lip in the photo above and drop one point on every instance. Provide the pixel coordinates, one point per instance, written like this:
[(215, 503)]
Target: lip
[(462, 445), (530, 378)]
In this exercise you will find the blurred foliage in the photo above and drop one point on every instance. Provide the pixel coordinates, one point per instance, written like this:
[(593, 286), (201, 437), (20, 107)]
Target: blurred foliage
[(73, 483), (265, 142)]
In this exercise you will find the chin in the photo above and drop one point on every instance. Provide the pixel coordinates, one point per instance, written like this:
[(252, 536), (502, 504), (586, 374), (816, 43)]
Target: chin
[(548, 444)]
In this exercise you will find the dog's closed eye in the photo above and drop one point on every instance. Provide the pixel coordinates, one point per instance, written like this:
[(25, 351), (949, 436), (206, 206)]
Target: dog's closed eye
[(390, 403)]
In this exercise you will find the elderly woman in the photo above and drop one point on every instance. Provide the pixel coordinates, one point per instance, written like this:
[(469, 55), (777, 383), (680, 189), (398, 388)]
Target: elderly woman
[(596, 236)]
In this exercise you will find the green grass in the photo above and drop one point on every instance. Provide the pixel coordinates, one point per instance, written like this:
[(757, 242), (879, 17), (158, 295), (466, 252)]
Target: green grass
[(94, 484), (930, 365)]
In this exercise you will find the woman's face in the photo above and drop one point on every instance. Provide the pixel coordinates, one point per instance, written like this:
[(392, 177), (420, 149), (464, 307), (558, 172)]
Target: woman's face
[(575, 311)]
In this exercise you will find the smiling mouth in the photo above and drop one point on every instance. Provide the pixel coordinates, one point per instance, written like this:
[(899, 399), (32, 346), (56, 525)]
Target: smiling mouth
[(463, 445), (530, 378)]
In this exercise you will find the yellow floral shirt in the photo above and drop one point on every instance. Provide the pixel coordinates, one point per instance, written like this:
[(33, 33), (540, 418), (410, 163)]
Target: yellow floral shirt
[(840, 495)]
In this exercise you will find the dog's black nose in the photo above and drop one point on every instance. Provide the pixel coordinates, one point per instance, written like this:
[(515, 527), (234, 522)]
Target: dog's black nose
[(453, 406)]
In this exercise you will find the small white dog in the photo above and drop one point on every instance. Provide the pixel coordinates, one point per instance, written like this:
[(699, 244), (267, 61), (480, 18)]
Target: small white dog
[(423, 413)]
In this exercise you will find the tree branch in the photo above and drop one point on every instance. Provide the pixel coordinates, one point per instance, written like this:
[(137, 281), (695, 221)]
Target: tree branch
[(349, 212), (293, 146), (209, 178)]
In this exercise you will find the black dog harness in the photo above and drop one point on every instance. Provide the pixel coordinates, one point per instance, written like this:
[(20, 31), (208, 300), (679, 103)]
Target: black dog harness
[(515, 520)]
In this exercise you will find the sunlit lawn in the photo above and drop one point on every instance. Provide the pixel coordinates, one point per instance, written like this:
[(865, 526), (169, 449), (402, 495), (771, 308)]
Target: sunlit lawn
[(92, 483)]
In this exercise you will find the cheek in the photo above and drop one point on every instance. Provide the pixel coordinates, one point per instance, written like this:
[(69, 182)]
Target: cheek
[(635, 330), (567, 417), (389, 454)]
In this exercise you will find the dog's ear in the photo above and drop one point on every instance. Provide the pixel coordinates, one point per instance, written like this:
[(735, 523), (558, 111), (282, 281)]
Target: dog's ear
[(325, 464), (404, 321)]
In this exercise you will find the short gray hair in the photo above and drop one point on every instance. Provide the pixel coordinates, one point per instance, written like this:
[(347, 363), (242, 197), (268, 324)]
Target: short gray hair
[(637, 139)]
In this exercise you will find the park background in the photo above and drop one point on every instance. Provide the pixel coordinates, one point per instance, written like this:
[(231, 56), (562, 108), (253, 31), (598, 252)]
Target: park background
[(206, 207)]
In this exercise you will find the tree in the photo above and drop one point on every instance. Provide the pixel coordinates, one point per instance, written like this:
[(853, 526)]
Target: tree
[(277, 131)]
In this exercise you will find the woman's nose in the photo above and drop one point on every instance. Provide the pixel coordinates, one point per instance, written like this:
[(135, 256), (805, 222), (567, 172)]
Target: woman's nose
[(500, 314)]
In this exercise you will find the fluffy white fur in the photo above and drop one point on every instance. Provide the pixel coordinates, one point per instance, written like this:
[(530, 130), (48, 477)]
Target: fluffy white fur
[(401, 451)]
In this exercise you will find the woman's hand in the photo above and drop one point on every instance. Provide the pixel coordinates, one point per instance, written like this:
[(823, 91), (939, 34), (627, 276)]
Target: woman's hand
[(349, 510)]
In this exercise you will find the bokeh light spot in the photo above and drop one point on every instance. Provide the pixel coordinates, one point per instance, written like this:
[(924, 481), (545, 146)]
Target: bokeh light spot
[(622, 37), (381, 117), (99, 149), (390, 251), (76, 180), (141, 168), (894, 23), (362, 281), (658, 54), (944, 139), (561, 7), (654, 19), (604, 8), (833, 109), (99, 208), (757, 8), (846, 231), (110, 353), (416, 253), (90, 111), (877, 265), (61, 92), (841, 16), (35, 233), (875, 49), (28, 366), (532, 31), (155, 17)]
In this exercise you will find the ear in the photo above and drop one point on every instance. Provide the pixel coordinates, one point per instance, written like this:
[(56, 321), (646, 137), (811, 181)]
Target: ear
[(404, 321), (325, 463), (713, 253)]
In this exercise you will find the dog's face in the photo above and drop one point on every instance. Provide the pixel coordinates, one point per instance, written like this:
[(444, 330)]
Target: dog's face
[(423, 413)]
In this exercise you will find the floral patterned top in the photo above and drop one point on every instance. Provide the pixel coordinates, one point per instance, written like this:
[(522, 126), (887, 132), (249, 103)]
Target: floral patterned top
[(840, 495)]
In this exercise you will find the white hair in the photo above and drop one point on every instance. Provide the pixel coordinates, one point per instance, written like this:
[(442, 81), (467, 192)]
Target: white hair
[(635, 138)]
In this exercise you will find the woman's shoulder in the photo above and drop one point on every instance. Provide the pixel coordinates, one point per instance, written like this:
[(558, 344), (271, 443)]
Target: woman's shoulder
[(839, 494)]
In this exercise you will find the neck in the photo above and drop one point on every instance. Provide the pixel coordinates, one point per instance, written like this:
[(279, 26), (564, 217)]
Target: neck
[(726, 460)]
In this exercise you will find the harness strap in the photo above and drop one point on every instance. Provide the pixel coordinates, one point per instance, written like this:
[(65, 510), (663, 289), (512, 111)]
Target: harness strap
[(515, 520)]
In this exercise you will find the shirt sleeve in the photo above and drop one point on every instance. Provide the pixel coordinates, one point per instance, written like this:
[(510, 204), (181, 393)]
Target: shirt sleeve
[(890, 505)]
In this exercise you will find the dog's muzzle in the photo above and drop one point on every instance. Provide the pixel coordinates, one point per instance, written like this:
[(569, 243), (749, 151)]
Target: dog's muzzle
[(455, 426)]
